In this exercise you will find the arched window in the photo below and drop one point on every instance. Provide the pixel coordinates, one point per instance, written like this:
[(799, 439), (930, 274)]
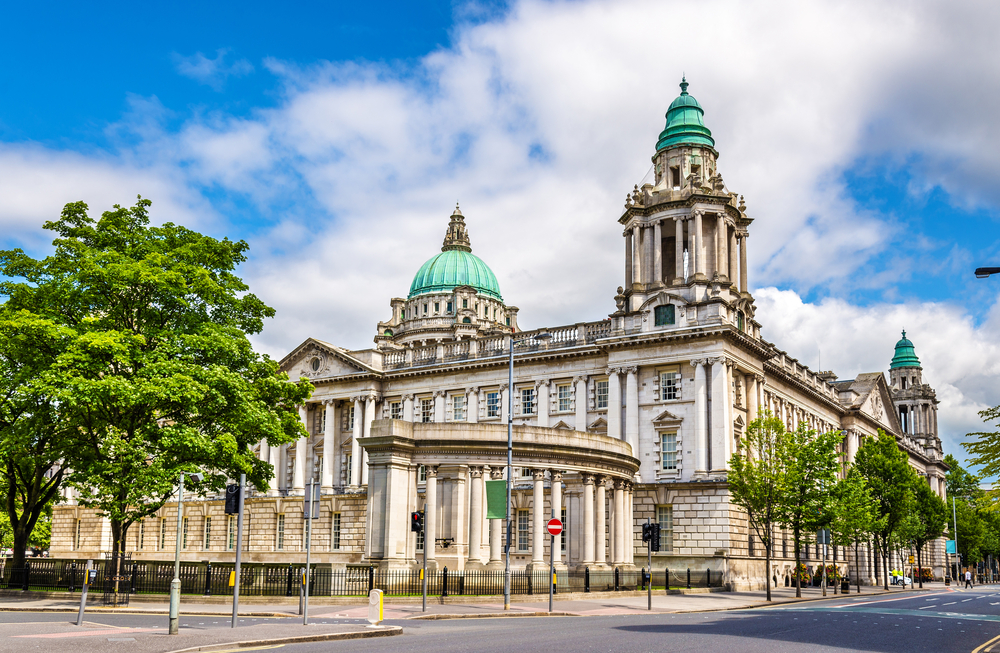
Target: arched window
[(388, 332), (664, 314), (466, 320)]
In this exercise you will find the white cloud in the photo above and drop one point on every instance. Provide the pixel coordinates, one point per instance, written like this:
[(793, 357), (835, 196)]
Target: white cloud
[(211, 72)]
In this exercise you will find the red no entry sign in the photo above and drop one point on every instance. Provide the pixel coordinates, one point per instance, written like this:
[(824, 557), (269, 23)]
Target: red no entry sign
[(554, 527)]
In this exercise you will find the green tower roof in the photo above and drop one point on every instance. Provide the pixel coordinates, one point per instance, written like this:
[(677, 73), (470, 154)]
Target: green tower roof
[(455, 266), (684, 123), (905, 356)]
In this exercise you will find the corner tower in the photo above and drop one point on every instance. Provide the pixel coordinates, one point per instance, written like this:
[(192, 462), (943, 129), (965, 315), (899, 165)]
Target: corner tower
[(685, 236), (915, 401)]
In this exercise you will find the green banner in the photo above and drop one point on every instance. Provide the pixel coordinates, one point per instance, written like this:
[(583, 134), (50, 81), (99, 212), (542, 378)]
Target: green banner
[(496, 499)]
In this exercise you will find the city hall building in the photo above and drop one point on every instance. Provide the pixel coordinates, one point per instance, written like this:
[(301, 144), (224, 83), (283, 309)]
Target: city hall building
[(616, 422)]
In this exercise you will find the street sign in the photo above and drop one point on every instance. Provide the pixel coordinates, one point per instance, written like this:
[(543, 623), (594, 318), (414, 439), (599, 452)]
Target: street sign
[(912, 560), (554, 527), (949, 546)]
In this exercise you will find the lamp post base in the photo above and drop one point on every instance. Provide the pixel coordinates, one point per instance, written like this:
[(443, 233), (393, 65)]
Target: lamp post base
[(175, 605)]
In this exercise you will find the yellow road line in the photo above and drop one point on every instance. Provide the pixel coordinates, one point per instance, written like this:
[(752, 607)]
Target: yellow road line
[(983, 647), (250, 648)]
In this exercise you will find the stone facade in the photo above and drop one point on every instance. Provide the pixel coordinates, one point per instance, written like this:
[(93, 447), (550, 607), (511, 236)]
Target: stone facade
[(673, 376)]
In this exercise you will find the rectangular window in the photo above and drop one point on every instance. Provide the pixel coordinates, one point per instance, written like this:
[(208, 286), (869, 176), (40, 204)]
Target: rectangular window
[(142, 535), (163, 534), (675, 177), (527, 401), (670, 385), (76, 537), (347, 471), (396, 410), (426, 410), (664, 315), (335, 542), (421, 473), (525, 472), (208, 532), (280, 544), (450, 308), (350, 413), (437, 307), (184, 536), (665, 518), (564, 393), (458, 408), (668, 451), (493, 404), (231, 539), (425, 309), (523, 542), (601, 394), (420, 541), (465, 303)]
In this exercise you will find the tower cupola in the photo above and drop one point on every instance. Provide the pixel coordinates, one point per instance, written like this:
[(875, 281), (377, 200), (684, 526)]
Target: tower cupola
[(685, 124)]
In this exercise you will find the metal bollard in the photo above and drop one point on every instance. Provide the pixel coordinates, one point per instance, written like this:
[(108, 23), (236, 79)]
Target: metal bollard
[(72, 577), (689, 578), (444, 582), (666, 579), (208, 580), (135, 572), (26, 574), (288, 588), (708, 578), (371, 579), (586, 579), (617, 580)]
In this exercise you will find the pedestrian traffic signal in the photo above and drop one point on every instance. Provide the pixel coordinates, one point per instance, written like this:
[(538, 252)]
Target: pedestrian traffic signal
[(417, 521), (232, 499)]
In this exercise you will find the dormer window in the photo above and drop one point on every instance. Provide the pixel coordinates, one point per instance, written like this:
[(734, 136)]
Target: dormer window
[(664, 315)]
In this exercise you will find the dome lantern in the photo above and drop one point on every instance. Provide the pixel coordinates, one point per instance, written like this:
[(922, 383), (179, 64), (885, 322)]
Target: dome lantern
[(455, 266), (905, 355), (685, 125)]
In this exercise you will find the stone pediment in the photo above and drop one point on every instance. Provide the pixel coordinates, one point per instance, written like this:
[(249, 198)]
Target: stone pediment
[(599, 425), (666, 418), (315, 359), (563, 425), (876, 403)]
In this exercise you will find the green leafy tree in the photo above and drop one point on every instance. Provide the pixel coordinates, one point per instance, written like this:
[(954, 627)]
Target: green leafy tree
[(931, 514), (810, 476), (854, 515), (157, 375), (961, 483), (756, 476), (985, 449), (889, 478), (33, 440)]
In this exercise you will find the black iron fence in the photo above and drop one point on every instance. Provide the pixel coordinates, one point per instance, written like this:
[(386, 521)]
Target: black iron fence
[(286, 580)]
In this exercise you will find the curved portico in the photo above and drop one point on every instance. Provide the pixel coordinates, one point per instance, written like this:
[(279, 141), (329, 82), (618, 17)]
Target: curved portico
[(457, 457)]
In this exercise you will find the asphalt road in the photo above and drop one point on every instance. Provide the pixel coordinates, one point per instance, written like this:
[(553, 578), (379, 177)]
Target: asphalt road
[(939, 622)]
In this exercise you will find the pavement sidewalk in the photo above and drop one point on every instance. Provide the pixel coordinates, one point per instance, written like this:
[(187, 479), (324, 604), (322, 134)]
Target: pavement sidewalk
[(603, 605)]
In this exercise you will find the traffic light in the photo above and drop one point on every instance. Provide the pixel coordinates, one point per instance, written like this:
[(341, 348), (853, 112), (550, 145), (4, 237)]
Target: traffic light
[(417, 521), (232, 499), (654, 537), (647, 530)]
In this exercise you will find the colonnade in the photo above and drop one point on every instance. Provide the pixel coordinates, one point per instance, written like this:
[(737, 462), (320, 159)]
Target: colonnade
[(644, 250), (606, 521), (918, 417)]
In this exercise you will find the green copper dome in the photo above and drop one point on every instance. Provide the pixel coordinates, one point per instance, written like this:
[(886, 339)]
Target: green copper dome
[(684, 123), (455, 266), (905, 356)]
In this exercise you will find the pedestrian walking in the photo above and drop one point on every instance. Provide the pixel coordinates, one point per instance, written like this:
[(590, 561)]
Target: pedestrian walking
[(968, 579)]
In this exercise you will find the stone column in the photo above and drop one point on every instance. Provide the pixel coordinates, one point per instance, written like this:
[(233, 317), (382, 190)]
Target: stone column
[(700, 425), (263, 450), (637, 270), (614, 404), (496, 526), (274, 457), (299, 471), (440, 409), (628, 259), (750, 383), (629, 530), (699, 244), (538, 518), (619, 524), (721, 246), (632, 409), (555, 499), (329, 440), (542, 401), (476, 517), (359, 429), (504, 403), (580, 401), (430, 512), (369, 418), (588, 519), (679, 250), (407, 408), (852, 445), (472, 407), (600, 523), (658, 252), (733, 255), (743, 262), (727, 414)]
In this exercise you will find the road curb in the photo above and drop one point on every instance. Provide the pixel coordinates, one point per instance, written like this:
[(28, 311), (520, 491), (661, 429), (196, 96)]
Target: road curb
[(382, 631), (161, 613), (490, 615)]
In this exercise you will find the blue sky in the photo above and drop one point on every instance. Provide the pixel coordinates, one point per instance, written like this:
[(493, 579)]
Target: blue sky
[(336, 138)]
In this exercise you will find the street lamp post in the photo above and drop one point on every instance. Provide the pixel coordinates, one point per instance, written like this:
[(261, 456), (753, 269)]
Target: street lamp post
[(544, 335), (175, 584), (982, 273)]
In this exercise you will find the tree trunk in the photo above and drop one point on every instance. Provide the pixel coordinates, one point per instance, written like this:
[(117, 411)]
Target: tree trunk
[(119, 531), (767, 567), (798, 563), (884, 546), (857, 562)]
